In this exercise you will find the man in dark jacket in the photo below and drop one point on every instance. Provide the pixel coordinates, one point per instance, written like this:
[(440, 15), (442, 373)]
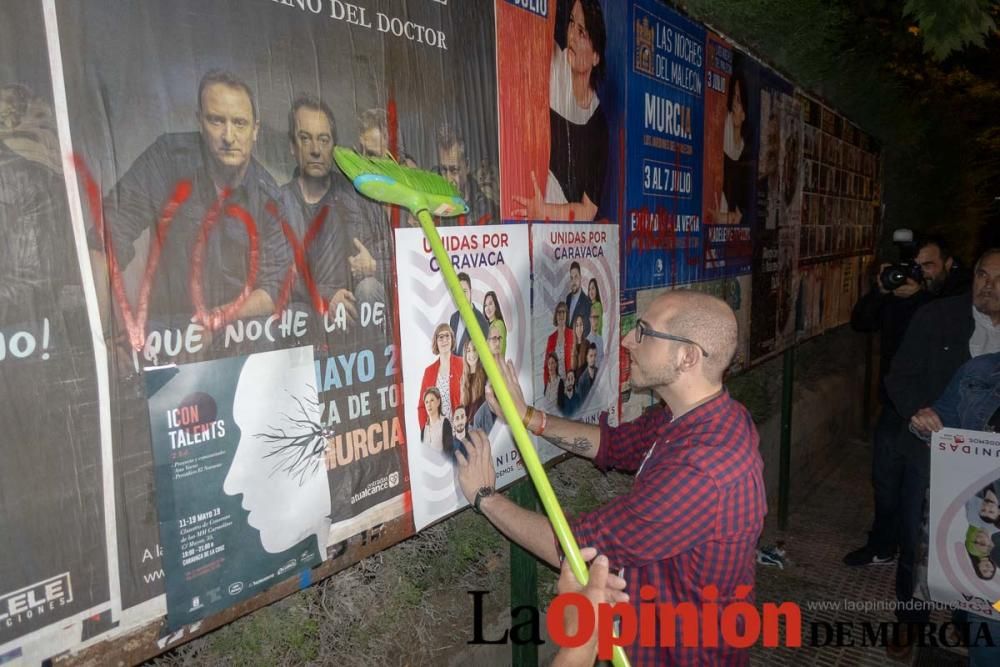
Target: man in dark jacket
[(942, 336)]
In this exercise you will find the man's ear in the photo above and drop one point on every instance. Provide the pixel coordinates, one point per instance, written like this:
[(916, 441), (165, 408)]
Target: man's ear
[(689, 356), (948, 263)]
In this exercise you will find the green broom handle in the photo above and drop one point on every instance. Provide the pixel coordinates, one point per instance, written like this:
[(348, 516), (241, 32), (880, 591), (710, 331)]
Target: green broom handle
[(528, 454)]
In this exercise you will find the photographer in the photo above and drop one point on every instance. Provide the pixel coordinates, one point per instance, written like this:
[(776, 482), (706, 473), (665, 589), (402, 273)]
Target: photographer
[(888, 310)]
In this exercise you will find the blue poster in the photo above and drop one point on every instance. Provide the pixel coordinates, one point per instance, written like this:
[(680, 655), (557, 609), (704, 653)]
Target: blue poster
[(662, 225)]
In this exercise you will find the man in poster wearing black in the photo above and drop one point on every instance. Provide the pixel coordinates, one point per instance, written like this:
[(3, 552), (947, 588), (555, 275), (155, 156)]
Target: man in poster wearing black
[(577, 300), (217, 160), (453, 164), (341, 263)]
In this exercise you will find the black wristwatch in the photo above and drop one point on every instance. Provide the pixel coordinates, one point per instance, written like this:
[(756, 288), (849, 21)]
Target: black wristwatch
[(483, 492)]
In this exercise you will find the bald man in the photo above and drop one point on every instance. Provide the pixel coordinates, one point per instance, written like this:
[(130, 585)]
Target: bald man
[(696, 508)]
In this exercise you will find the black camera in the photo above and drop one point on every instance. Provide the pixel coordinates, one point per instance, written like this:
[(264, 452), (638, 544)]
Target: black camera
[(895, 275)]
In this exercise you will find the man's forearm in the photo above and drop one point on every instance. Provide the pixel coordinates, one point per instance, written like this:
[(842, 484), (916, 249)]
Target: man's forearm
[(532, 531), (575, 437)]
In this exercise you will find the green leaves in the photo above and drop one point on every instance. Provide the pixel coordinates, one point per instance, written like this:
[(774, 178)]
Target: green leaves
[(946, 27)]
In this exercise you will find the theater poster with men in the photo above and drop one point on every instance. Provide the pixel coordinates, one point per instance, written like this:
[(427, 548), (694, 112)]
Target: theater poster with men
[(218, 226), (443, 377), (575, 320), (964, 531)]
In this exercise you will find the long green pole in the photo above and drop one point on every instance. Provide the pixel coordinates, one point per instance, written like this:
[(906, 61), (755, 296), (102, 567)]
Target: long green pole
[(785, 455), (528, 454)]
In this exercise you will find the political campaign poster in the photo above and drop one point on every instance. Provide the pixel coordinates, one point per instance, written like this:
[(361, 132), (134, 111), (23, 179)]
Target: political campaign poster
[(777, 220), (662, 230), (55, 589), (241, 486), (730, 157), (444, 382), (218, 226), (561, 85), (735, 291), (575, 320), (964, 546)]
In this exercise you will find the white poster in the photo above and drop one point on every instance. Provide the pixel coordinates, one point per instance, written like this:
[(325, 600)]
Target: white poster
[(965, 520), (575, 320), (443, 379)]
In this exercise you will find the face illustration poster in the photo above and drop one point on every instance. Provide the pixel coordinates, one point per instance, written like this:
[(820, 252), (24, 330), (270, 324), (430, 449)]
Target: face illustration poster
[(444, 383), (964, 546), (575, 320), (242, 489)]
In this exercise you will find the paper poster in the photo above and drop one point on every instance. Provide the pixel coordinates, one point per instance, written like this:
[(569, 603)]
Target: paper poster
[(965, 520), (444, 383), (55, 587), (241, 485), (730, 158), (562, 89), (575, 320), (662, 230), (777, 219)]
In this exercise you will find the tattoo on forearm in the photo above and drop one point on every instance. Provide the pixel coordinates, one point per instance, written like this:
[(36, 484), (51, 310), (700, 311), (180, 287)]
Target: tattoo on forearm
[(578, 445)]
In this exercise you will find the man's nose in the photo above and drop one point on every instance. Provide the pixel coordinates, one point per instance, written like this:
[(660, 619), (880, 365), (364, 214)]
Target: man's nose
[(228, 133)]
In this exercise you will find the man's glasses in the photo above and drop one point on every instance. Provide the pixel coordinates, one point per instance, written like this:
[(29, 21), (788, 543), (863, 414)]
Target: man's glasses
[(642, 329)]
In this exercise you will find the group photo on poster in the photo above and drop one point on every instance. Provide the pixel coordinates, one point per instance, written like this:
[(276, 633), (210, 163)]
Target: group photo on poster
[(575, 320), (218, 225), (55, 588), (242, 491), (662, 225), (730, 158), (559, 160), (446, 392), (964, 530)]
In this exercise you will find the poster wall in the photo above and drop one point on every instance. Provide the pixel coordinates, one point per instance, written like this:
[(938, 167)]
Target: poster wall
[(662, 228), (443, 379), (575, 320), (242, 491), (562, 108), (964, 548), (169, 202)]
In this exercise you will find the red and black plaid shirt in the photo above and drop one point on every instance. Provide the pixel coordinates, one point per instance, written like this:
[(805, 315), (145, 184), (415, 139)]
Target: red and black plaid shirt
[(692, 518)]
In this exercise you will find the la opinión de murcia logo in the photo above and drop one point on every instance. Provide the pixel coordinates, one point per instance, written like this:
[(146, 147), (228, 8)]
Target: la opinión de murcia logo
[(26, 603)]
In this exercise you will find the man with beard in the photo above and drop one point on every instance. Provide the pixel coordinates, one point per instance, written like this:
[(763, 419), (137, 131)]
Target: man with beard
[(942, 336), (587, 374), (225, 179), (341, 263), (577, 300), (943, 276), (696, 510)]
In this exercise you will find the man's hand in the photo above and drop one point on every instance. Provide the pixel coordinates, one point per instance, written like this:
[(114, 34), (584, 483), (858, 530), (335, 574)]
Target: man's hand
[(602, 588), (476, 470), (362, 264), (926, 421), (346, 297), (907, 289), (513, 387)]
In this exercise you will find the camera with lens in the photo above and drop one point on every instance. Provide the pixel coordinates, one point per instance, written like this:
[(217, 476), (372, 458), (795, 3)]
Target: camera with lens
[(896, 275)]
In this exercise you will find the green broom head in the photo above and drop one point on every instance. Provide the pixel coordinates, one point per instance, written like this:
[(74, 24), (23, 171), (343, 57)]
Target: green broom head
[(386, 181)]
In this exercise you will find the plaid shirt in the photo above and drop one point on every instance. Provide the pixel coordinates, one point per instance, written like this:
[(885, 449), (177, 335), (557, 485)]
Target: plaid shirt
[(692, 518)]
